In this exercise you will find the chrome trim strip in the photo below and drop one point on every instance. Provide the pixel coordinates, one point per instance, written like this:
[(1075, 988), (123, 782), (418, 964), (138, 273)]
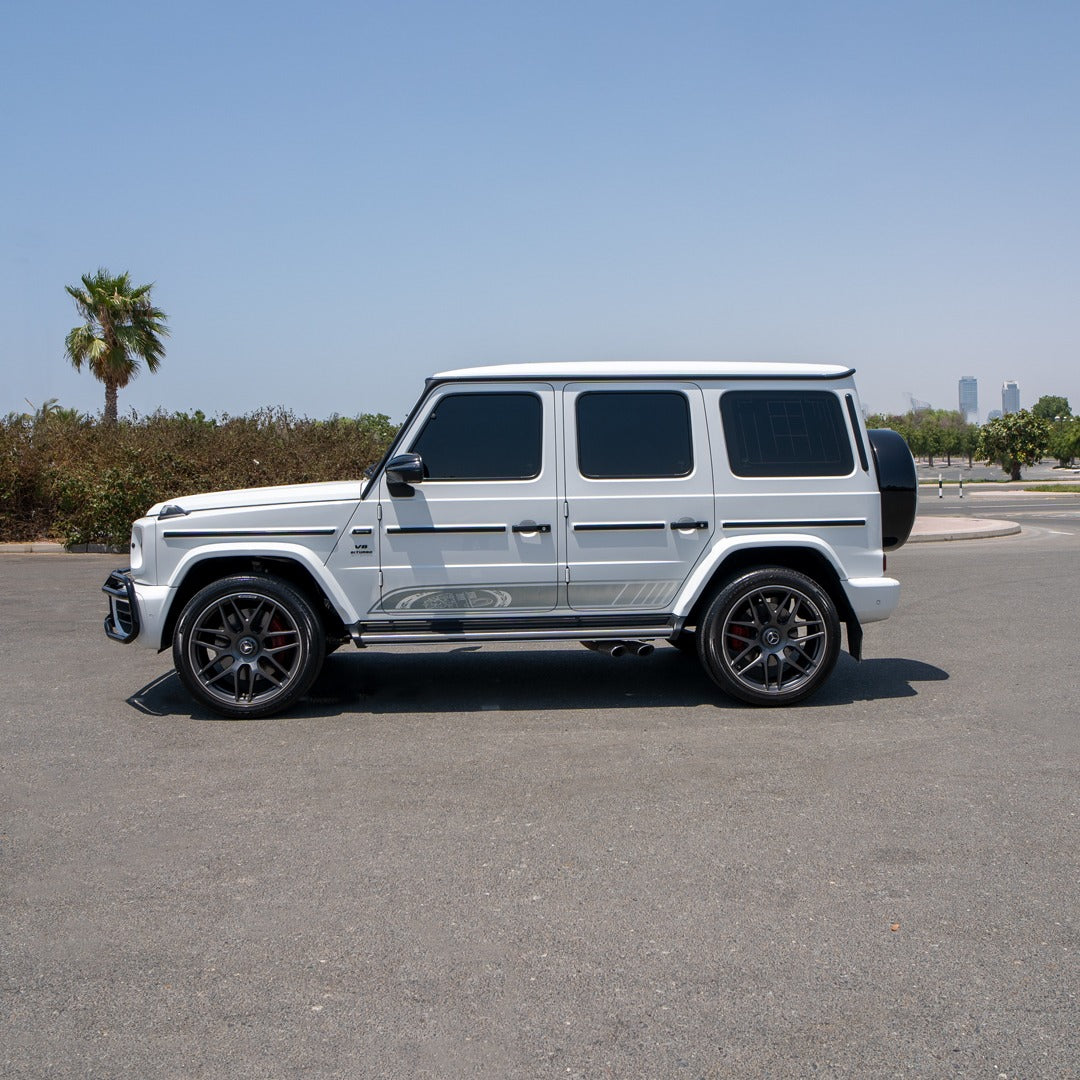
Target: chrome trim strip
[(183, 534), (823, 524), (615, 526), (420, 530)]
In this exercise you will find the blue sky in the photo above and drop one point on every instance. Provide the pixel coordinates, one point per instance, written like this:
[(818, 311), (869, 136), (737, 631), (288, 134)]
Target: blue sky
[(335, 201)]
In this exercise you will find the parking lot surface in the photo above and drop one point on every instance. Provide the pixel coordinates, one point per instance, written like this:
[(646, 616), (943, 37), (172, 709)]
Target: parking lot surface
[(517, 861)]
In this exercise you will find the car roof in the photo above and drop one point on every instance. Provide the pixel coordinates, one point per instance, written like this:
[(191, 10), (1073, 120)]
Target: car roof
[(648, 369)]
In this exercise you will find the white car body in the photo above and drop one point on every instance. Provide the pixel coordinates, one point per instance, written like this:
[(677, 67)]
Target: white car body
[(566, 547)]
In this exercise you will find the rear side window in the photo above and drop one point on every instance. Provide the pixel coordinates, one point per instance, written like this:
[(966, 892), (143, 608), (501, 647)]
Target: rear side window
[(483, 437), (785, 433), (634, 433)]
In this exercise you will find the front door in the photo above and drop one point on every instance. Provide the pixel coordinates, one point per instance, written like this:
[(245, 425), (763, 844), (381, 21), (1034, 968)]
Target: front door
[(477, 537)]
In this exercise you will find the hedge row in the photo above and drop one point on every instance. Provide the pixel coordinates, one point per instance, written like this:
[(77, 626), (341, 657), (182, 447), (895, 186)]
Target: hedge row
[(72, 478)]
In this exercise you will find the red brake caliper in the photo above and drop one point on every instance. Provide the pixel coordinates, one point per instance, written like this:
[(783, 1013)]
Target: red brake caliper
[(276, 623)]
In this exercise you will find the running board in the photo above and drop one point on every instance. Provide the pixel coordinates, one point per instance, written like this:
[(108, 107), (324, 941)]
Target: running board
[(409, 636)]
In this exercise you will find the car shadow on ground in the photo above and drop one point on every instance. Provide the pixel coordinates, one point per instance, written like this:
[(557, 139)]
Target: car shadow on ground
[(473, 679)]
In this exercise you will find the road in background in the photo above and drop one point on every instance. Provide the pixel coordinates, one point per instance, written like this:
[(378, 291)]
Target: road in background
[(538, 861), (1033, 509)]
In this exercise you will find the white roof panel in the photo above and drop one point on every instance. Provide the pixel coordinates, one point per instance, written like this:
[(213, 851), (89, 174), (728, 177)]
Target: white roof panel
[(651, 369)]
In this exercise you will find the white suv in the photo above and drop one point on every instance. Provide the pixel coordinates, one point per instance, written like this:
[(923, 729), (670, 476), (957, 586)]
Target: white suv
[(738, 510)]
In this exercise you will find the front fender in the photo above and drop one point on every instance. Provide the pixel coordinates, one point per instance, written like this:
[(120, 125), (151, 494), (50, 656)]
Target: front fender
[(293, 552)]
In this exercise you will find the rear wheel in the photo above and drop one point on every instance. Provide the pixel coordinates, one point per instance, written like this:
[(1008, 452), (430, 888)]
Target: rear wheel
[(248, 646), (770, 637)]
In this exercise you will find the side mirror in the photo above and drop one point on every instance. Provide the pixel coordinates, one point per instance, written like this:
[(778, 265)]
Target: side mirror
[(404, 470)]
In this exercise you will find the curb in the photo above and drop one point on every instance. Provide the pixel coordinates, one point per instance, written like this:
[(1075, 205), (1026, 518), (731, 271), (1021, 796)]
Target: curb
[(49, 547), (942, 529)]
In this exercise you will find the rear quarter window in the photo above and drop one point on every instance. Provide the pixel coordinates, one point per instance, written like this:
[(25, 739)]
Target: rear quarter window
[(785, 433)]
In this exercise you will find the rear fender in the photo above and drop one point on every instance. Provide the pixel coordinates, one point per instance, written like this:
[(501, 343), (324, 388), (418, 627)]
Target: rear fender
[(793, 550)]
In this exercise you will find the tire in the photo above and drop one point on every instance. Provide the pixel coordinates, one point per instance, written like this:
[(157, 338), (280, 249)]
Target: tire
[(770, 637), (248, 646)]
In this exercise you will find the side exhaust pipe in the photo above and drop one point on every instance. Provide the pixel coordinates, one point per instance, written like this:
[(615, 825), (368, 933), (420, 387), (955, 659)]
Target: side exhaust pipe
[(614, 647)]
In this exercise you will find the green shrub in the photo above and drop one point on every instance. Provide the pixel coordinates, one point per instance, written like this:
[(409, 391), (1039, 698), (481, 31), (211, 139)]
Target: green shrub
[(98, 508), (69, 477)]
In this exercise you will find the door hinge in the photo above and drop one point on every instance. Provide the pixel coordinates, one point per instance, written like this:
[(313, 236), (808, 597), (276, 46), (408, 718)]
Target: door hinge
[(380, 579), (566, 574), (379, 509), (565, 509)]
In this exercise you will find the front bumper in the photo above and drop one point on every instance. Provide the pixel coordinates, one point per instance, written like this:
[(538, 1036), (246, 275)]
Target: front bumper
[(122, 622), (137, 610)]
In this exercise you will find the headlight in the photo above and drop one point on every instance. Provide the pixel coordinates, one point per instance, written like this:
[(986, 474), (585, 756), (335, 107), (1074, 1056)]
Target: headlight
[(136, 548), (142, 551)]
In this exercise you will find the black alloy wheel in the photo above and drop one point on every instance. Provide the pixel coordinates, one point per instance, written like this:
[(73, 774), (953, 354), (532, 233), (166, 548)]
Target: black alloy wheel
[(770, 637), (248, 646)]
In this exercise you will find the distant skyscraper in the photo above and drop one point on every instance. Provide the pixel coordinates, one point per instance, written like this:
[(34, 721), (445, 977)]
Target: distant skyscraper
[(969, 398), (1010, 397)]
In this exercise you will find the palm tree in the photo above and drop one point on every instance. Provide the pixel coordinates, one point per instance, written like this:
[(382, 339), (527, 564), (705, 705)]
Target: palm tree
[(122, 327)]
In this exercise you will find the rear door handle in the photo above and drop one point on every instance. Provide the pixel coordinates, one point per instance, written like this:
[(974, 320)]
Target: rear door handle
[(525, 527)]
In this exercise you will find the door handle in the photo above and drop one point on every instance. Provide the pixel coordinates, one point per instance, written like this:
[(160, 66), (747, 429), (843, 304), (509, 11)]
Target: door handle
[(525, 527), (689, 524)]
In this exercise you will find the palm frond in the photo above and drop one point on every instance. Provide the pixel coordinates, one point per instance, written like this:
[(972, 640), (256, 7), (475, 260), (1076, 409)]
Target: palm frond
[(122, 328)]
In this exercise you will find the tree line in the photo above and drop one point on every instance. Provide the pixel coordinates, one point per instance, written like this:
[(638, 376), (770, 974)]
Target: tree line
[(1019, 439), (83, 479)]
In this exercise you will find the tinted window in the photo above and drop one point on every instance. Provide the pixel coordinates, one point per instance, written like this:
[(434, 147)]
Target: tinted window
[(482, 437), (785, 433), (634, 433)]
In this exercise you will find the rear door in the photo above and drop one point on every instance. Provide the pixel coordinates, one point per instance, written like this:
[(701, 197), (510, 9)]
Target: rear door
[(639, 492)]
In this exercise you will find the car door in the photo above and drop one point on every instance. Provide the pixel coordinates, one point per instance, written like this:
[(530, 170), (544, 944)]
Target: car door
[(475, 537), (639, 492)]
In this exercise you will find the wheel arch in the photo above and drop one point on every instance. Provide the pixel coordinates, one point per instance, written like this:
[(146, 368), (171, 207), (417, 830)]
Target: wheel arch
[(810, 559), (199, 573)]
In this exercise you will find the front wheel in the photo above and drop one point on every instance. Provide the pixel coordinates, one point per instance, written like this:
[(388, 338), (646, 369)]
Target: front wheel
[(770, 637), (248, 646)]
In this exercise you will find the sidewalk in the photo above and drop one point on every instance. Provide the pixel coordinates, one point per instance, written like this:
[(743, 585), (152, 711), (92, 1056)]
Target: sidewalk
[(932, 528)]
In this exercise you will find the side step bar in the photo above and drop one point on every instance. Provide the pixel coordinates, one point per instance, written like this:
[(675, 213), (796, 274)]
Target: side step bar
[(434, 637)]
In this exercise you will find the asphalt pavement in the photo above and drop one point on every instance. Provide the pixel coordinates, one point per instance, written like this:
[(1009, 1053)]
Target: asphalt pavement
[(537, 861)]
